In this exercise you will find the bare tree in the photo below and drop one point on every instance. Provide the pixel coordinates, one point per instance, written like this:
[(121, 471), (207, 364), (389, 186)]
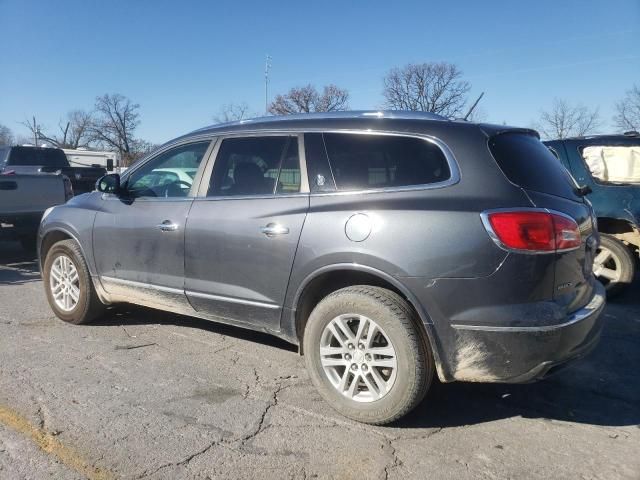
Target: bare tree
[(117, 118), (233, 112), (34, 129), (307, 99), (75, 130), (565, 120), (427, 87), (6, 135), (628, 111)]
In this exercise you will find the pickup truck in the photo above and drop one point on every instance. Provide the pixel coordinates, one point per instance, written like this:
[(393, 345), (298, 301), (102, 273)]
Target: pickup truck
[(35, 160), (24, 199), (607, 167)]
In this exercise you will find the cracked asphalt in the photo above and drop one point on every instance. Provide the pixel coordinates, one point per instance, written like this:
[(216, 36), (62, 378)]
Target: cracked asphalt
[(146, 394)]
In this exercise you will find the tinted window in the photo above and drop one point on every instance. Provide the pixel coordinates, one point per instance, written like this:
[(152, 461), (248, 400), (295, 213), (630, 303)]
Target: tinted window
[(25, 156), (318, 169), (170, 174), (527, 162), (377, 161), (256, 166)]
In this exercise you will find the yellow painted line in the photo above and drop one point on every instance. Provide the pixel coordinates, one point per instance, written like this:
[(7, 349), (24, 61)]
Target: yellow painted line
[(50, 444)]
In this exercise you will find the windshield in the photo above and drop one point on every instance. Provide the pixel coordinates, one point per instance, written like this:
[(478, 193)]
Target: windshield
[(613, 164), (28, 156)]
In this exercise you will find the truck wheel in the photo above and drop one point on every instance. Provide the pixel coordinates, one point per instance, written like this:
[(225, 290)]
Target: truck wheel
[(68, 285), (365, 354), (613, 265)]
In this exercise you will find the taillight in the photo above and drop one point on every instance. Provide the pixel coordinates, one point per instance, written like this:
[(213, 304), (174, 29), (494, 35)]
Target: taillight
[(68, 189), (533, 231)]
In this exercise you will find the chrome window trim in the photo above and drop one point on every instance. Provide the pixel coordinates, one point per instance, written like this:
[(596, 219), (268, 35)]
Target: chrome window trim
[(253, 303), (484, 216)]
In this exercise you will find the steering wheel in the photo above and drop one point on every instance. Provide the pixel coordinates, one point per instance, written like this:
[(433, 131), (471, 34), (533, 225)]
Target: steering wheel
[(175, 189)]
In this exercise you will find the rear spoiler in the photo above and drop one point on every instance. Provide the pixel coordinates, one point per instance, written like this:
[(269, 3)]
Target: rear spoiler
[(493, 130)]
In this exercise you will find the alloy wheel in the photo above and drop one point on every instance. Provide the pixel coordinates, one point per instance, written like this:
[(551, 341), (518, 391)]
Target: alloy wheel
[(64, 283), (358, 358), (607, 266)]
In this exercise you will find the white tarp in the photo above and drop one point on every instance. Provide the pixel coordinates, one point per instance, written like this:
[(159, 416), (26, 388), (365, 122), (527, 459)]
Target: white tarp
[(614, 164)]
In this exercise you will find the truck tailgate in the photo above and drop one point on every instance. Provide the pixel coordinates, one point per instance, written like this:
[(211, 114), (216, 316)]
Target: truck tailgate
[(30, 194)]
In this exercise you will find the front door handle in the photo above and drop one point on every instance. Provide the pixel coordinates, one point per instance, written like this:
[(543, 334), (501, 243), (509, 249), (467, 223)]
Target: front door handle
[(168, 226), (273, 229)]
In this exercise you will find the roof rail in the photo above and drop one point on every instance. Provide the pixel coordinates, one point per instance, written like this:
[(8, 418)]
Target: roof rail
[(393, 114)]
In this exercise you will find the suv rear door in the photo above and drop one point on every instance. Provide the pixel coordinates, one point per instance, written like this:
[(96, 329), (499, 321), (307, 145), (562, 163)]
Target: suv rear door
[(243, 229), (528, 163)]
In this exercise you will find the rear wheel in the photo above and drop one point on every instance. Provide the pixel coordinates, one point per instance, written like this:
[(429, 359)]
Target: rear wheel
[(68, 284), (613, 265), (365, 355)]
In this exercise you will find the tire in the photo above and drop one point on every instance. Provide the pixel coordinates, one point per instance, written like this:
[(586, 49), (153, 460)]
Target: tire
[(88, 306), (614, 265), (396, 328), (28, 243)]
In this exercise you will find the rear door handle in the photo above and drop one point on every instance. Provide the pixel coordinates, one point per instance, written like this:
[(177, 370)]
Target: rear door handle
[(168, 226), (273, 229)]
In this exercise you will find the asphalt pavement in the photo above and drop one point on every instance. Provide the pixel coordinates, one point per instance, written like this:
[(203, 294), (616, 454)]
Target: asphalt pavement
[(147, 394)]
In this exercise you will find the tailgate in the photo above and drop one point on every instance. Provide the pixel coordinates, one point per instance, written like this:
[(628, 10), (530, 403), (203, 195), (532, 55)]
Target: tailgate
[(29, 194), (526, 162)]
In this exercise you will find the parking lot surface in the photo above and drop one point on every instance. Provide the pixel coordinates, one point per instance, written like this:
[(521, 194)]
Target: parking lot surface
[(146, 394)]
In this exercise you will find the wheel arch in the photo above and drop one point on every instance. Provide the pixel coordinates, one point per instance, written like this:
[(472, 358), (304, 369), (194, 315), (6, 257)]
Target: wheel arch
[(51, 237), (330, 278), (620, 228)]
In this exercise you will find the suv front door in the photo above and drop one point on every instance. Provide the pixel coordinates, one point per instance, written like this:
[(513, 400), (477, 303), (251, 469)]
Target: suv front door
[(138, 238), (242, 233)]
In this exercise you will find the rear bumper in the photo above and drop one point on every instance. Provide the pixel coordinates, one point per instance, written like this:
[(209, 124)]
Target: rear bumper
[(519, 354)]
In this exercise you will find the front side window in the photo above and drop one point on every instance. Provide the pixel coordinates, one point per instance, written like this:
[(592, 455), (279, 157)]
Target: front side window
[(364, 161), (170, 174), (256, 166)]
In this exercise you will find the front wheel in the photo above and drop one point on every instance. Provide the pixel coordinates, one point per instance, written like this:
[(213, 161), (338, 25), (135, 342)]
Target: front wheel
[(365, 355), (68, 285), (613, 265)]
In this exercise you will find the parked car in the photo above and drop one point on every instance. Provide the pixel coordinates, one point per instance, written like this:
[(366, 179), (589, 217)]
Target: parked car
[(23, 200), (388, 246), (34, 160), (609, 165)]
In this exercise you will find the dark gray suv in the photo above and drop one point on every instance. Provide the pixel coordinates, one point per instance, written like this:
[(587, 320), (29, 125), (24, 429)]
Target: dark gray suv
[(388, 245)]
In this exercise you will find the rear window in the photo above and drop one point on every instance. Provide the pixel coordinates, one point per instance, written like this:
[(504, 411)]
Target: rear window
[(360, 162), (528, 163), (27, 156)]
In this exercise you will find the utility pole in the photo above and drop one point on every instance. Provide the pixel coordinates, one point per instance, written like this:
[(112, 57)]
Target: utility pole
[(36, 131), (267, 67)]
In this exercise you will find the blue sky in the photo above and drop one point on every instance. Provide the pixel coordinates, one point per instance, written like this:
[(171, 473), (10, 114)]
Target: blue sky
[(182, 60)]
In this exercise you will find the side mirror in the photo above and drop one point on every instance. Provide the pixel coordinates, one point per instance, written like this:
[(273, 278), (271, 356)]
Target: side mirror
[(109, 183)]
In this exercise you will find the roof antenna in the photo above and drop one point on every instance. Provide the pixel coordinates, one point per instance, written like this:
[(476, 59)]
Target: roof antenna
[(473, 106)]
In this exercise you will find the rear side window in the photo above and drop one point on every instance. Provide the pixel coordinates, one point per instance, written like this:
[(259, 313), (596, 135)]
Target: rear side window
[(528, 163), (364, 161), (256, 166), (28, 156)]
